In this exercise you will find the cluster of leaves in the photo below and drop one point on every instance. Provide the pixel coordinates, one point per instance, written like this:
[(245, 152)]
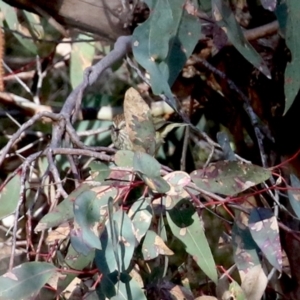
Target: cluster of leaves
[(133, 225), (135, 219)]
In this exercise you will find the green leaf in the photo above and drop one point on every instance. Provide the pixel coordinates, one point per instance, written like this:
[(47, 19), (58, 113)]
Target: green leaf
[(188, 228), (140, 214), (146, 164), (105, 258), (124, 158), (81, 57), (99, 171), (265, 232), (287, 13), (9, 197), (87, 216), (226, 20), (294, 195), (63, 212), (163, 44), (229, 177), (25, 280)]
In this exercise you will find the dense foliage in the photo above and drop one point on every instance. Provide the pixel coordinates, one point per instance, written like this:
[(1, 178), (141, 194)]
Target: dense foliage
[(202, 203)]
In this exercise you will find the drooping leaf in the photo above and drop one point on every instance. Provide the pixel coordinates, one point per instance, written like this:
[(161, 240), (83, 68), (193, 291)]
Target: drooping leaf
[(287, 14), (63, 212), (294, 195), (82, 55), (153, 245), (162, 44), (188, 228), (25, 280), (105, 258), (265, 232), (229, 177), (226, 20), (140, 214)]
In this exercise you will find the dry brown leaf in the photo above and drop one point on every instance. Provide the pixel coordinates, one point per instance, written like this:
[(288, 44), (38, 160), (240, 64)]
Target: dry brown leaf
[(59, 233)]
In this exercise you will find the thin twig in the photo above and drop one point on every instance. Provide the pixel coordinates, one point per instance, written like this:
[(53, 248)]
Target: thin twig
[(25, 166)]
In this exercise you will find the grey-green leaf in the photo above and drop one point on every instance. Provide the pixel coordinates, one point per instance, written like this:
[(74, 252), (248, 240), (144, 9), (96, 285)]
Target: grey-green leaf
[(25, 280)]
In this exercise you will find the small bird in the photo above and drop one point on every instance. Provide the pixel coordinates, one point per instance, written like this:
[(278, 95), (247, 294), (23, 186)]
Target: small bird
[(120, 136)]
